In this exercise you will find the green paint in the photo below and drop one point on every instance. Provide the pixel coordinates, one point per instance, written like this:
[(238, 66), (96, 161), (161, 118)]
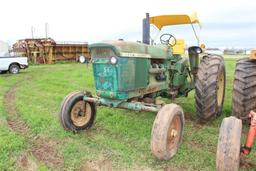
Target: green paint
[(112, 94), (123, 47), (114, 81), (138, 106), (134, 75)]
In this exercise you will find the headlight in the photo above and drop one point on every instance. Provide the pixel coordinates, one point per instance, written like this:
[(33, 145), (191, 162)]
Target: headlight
[(82, 59), (113, 60)]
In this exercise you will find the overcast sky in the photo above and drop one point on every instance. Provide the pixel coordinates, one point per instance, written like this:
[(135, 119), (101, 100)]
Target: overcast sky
[(230, 23)]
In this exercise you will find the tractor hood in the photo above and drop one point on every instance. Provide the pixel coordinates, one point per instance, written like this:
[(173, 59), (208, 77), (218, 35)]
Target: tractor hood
[(134, 49)]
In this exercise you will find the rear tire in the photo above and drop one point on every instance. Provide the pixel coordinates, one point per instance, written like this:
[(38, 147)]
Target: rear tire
[(75, 113), (229, 144), (167, 131), (210, 86), (14, 69), (244, 88)]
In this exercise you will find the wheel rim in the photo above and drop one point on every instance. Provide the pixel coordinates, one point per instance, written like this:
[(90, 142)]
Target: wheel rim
[(14, 70), (220, 88), (81, 113), (174, 133)]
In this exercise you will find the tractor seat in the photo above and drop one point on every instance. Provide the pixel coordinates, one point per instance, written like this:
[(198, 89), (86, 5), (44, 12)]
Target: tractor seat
[(179, 47)]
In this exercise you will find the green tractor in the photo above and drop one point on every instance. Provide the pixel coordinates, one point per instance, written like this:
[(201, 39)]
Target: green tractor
[(133, 75)]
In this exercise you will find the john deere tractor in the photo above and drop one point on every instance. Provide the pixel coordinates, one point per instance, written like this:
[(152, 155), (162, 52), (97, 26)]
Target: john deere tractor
[(132, 75)]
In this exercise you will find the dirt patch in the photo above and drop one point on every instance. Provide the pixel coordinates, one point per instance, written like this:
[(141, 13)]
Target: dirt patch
[(13, 121), (25, 163), (140, 168), (43, 149), (103, 165), (171, 169), (198, 125), (18, 126), (9, 100), (188, 116), (107, 165), (245, 164)]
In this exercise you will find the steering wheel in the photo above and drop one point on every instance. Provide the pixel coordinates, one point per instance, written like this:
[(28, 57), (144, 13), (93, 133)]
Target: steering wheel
[(168, 39)]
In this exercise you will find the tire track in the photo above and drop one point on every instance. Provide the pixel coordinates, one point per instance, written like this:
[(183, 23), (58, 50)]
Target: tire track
[(43, 149)]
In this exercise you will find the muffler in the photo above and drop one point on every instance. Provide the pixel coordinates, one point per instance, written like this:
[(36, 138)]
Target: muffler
[(193, 53)]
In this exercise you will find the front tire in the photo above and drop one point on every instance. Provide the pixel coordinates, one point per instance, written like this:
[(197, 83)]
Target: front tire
[(77, 114), (229, 143), (210, 86), (14, 69), (167, 131)]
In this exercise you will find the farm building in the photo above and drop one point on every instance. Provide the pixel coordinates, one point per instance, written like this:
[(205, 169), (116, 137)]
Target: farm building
[(47, 51), (234, 52), (216, 51)]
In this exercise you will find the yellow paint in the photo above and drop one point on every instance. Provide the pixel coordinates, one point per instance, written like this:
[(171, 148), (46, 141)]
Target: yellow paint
[(220, 88), (253, 54), (179, 47), (202, 46), (167, 20)]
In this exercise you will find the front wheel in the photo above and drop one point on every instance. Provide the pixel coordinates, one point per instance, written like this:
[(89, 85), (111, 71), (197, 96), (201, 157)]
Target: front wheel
[(77, 114), (210, 86), (167, 131), (229, 143), (14, 69)]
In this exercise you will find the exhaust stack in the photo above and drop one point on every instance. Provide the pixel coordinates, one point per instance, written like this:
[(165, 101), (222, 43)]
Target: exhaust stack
[(193, 53), (146, 30)]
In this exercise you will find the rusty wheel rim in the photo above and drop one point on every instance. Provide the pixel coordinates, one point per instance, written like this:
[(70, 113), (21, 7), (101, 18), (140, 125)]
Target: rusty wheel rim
[(174, 133), (81, 113)]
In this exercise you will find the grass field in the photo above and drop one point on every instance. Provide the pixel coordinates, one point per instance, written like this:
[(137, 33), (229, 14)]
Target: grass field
[(120, 139)]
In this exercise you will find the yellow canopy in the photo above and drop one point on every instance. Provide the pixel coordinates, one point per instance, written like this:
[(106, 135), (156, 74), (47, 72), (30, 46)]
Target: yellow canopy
[(166, 20)]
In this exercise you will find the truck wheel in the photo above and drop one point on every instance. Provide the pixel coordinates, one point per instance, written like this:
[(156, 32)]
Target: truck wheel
[(75, 113), (167, 131), (229, 143), (244, 88), (14, 69), (210, 86)]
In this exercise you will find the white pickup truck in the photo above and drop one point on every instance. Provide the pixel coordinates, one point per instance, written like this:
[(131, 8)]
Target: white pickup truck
[(13, 64)]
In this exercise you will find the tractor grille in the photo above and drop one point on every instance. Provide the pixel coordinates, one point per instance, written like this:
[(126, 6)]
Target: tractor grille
[(105, 77)]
